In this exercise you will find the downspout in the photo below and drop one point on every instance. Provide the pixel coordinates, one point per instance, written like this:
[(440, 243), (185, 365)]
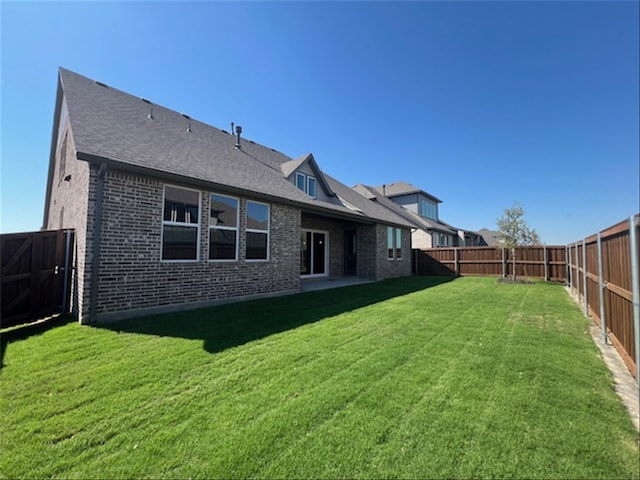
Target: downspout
[(97, 236)]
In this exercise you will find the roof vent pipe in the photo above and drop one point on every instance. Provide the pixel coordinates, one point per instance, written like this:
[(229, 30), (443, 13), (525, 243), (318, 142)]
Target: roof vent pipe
[(238, 132), (384, 190)]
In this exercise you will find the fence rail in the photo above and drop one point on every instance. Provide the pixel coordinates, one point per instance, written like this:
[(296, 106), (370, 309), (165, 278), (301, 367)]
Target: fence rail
[(602, 271), (35, 277), (603, 274), (545, 262)]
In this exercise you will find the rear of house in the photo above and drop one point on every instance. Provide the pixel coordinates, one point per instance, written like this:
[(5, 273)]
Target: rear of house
[(171, 213)]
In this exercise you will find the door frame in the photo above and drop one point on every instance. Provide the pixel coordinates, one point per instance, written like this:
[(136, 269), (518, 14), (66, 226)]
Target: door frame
[(326, 254)]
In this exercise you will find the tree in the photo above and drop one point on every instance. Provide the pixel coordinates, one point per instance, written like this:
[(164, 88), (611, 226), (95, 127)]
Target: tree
[(515, 232)]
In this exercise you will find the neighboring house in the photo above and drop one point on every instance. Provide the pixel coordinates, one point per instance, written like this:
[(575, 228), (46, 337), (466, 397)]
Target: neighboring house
[(171, 213), (490, 237), (421, 209)]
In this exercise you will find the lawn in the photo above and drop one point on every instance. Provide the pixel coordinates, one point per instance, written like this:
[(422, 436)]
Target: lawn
[(411, 378)]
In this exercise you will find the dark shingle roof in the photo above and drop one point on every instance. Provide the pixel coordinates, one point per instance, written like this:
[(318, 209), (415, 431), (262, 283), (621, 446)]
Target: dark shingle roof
[(417, 221), (397, 189), (132, 133)]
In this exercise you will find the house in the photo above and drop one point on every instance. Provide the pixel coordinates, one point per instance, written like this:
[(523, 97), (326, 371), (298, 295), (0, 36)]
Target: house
[(421, 209), (171, 213)]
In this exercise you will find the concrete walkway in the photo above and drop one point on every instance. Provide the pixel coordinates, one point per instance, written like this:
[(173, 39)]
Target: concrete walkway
[(324, 283)]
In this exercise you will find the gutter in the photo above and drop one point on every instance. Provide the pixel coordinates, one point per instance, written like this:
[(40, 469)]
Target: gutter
[(97, 236), (180, 179)]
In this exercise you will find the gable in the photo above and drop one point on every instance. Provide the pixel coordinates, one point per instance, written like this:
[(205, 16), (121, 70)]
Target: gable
[(301, 171)]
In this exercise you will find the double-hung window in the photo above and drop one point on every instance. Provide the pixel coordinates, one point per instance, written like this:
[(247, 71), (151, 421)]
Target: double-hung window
[(180, 224), (257, 231), (394, 243), (223, 228), (307, 184)]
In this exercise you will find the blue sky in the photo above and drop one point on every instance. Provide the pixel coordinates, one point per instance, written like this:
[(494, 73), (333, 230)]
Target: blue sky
[(482, 104)]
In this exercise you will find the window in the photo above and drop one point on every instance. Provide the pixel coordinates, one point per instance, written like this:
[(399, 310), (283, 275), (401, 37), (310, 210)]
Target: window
[(301, 181), (428, 209), (180, 224), (311, 187), (223, 228), (257, 231), (306, 183), (394, 243), (390, 241)]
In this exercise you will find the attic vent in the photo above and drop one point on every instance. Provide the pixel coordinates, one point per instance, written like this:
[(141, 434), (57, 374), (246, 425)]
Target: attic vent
[(101, 84), (224, 131), (185, 115), (274, 150), (145, 100), (251, 141)]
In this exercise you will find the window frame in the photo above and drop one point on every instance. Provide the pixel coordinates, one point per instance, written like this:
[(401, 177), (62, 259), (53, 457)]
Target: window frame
[(233, 229), (398, 243), (393, 246), (180, 224), (301, 177), (311, 178), (255, 230)]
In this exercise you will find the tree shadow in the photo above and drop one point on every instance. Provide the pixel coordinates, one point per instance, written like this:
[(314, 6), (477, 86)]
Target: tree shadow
[(23, 332), (231, 325)]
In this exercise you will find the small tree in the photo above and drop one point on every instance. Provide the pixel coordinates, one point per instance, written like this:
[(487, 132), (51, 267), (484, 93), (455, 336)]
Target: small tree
[(515, 232)]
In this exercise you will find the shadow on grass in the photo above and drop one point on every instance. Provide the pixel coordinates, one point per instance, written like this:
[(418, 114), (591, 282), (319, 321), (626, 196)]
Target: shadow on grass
[(231, 325), (22, 332)]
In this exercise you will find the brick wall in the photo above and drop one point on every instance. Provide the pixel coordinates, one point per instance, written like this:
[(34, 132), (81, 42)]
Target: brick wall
[(68, 208), (132, 276), (386, 268)]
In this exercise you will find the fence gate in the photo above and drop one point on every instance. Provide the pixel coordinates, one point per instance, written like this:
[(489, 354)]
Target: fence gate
[(36, 275)]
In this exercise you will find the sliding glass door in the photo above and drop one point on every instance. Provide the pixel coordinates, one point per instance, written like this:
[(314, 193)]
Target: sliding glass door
[(314, 253)]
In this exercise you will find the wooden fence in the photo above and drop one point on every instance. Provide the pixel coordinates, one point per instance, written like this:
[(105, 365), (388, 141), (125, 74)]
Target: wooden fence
[(35, 275), (545, 262), (603, 273)]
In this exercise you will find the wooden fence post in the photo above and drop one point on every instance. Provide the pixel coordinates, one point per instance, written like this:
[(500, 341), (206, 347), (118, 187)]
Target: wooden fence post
[(635, 287), (456, 264), (546, 267), (584, 276)]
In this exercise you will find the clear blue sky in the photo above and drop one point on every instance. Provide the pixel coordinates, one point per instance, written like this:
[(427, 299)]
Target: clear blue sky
[(481, 104)]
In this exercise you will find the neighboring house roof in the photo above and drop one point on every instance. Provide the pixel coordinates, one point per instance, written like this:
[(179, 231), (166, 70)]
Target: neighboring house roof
[(127, 132), (398, 189), (491, 237), (374, 195)]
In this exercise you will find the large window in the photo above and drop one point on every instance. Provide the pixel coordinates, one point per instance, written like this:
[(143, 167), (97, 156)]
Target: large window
[(257, 231), (394, 243), (223, 228), (306, 183), (429, 209), (180, 224)]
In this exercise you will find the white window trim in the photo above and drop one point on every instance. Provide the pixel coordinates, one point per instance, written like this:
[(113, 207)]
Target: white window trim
[(309, 179), (327, 251), (394, 245), (235, 229), (180, 224), (304, 181), (255, 230)]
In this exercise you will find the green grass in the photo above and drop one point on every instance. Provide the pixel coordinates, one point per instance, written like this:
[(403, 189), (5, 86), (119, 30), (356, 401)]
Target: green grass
[(413, 378)]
